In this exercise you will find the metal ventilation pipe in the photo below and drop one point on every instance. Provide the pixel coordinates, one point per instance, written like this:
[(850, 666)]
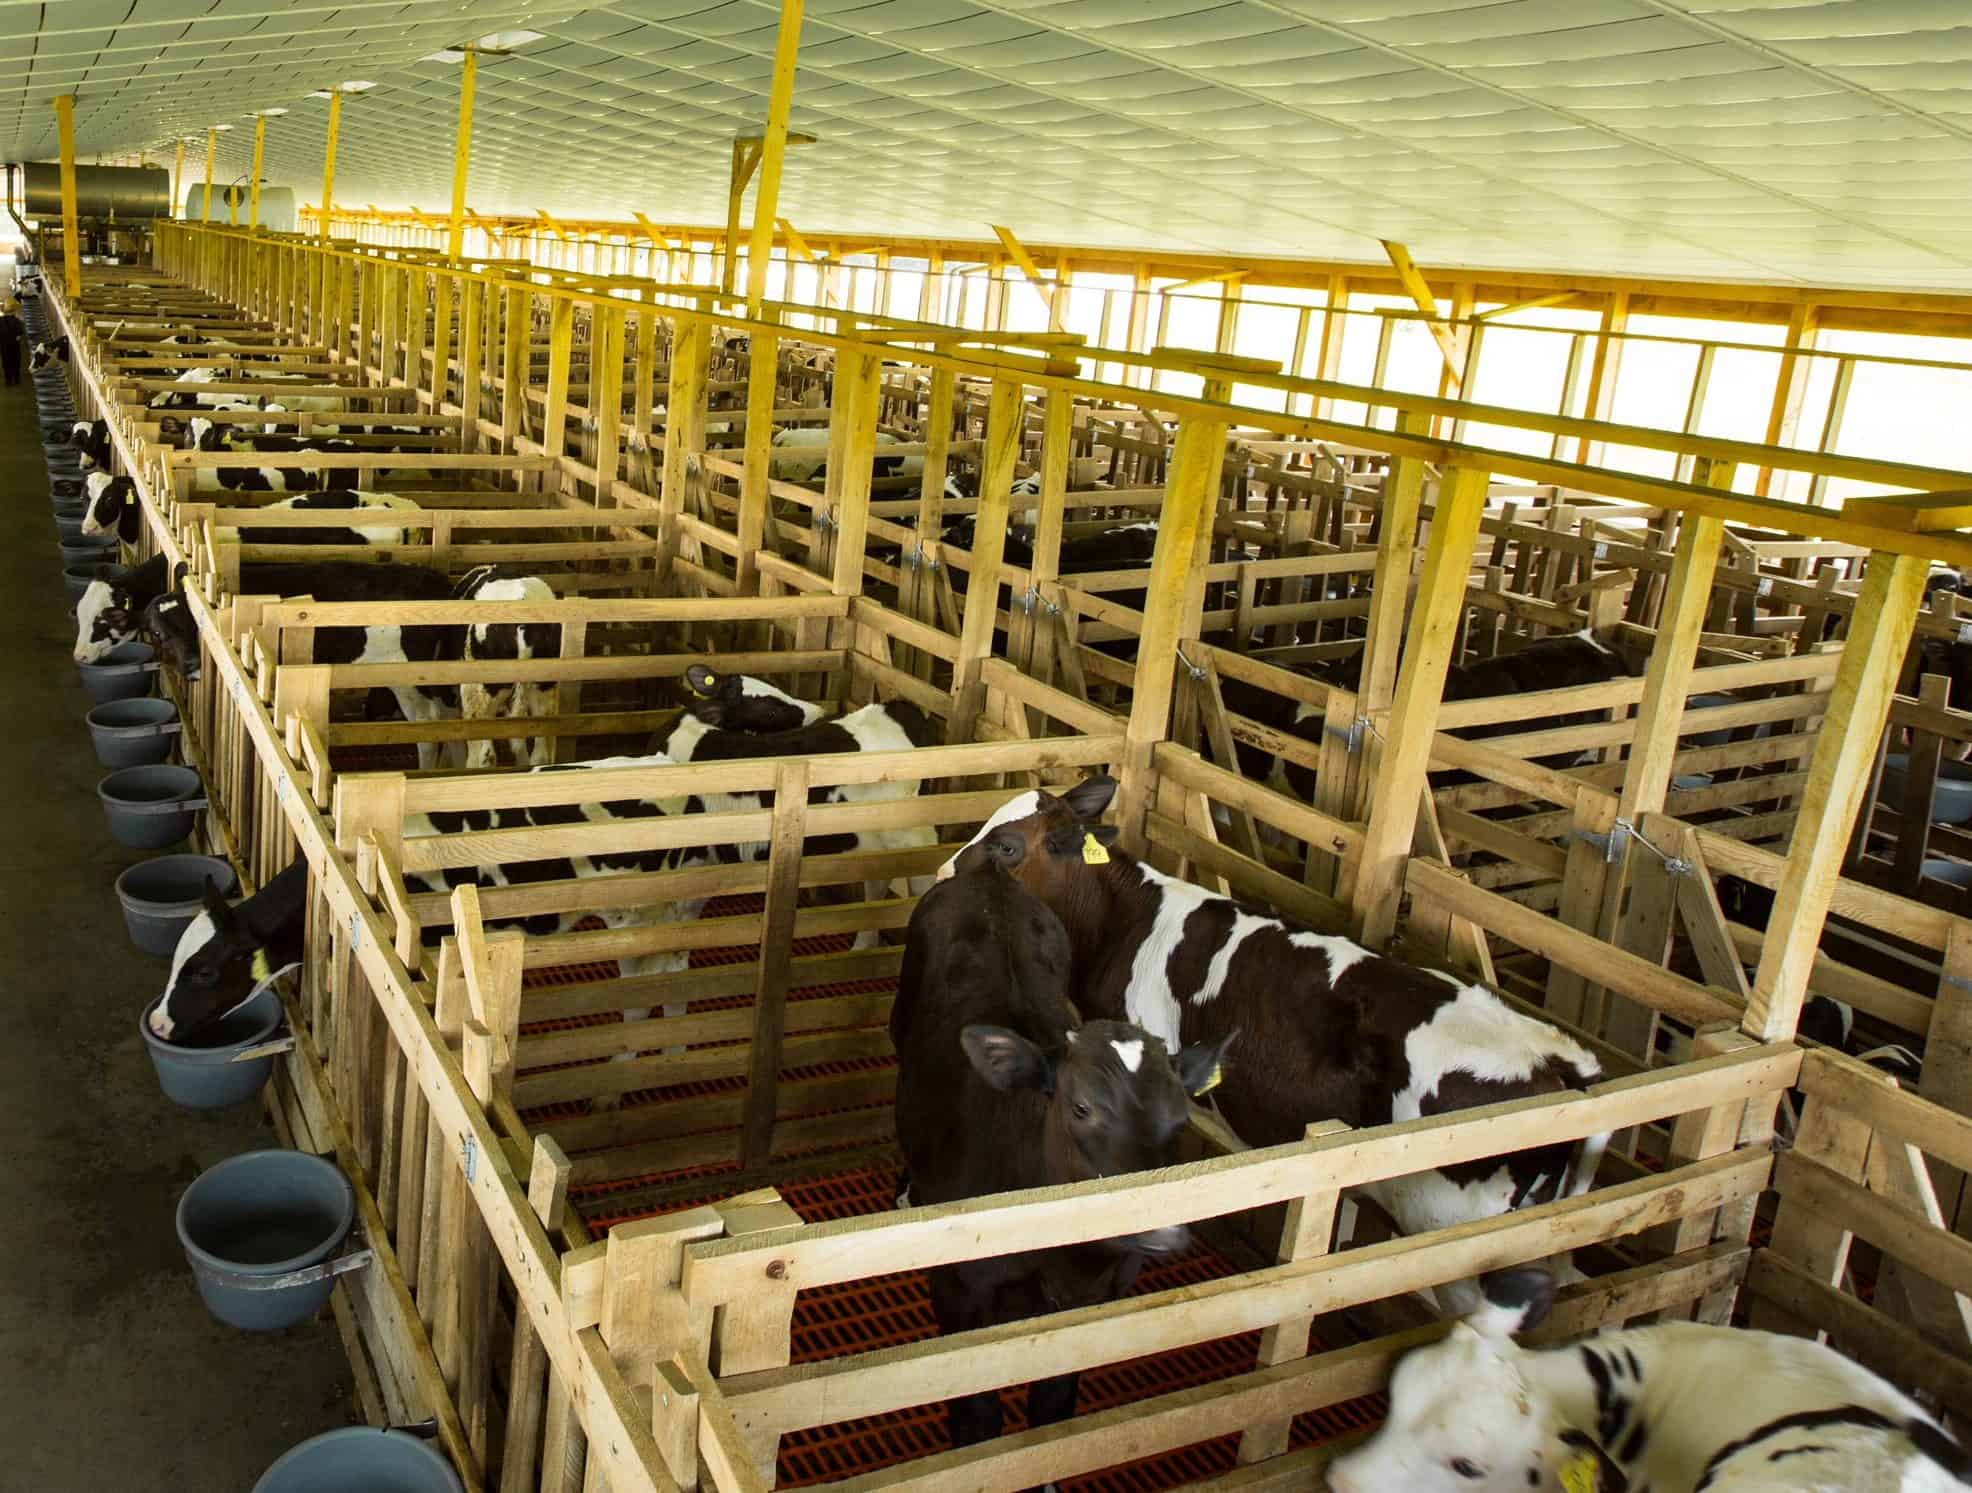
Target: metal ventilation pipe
[(127, 193)]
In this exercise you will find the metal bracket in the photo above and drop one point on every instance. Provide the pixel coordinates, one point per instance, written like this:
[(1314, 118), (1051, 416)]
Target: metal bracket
[(1025, 601), (1191, 668), (310, 1275), (1611, 845), (469, 1148), (1350, 735)]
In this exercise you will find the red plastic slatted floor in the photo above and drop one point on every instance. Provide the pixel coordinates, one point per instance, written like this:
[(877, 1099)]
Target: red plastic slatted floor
[(860, 1316)]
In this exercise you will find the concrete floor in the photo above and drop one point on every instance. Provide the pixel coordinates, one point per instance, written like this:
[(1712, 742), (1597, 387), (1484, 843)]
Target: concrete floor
[(112, 1375)]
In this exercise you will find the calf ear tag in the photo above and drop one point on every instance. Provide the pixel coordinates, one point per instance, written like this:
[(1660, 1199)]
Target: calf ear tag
[(1093, 852), (1218, 1074), (262, 970), (1581, 1473)]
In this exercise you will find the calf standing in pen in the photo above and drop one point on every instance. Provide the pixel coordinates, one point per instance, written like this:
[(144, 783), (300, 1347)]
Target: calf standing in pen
[(999, 1089), (1329, 1030), (738, 718), (1677, 1408)]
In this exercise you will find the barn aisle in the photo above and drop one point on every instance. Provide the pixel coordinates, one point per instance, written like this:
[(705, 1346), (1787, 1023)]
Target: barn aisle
[(116, 1377)]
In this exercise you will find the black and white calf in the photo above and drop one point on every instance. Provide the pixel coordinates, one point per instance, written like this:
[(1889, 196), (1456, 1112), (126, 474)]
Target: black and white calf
[(1000, 1088), (171, 622), (359, 532), (229, 951), (739, 702), (1676, 1408), (113, 507), (91, 439), (1326, 1028), (522, 699), (702, 735), (113, 606), (46, 353), (260, 472)]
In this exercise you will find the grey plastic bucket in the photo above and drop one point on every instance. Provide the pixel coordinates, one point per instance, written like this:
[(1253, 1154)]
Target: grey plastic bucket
[(161, 895), (207, 1072), (151, 807), (65, 487), (1952, 873), (126, 672), (360, 1459), (132, 733), (85, 551), (78, 577), (1951, 798), (70, 526), (255, 1219)]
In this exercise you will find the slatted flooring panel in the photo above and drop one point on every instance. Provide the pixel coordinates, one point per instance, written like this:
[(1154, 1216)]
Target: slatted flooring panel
[(861, 1316)]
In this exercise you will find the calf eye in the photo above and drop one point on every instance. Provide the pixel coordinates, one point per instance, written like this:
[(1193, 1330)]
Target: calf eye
[(1082, 1110), (1467, 1469), (1003, 849)]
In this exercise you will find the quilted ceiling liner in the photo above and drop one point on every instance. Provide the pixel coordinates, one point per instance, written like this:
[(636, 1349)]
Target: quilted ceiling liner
[(1748, 139)]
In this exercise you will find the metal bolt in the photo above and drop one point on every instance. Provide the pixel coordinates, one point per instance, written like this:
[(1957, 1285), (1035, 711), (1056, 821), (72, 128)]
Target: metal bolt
[(777, 1270)]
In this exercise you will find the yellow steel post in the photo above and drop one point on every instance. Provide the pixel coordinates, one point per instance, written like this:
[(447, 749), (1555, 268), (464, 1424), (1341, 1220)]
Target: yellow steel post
[(455, 244), (71, 228), (178, 181), (329, 160), (773, 149), (211, 153), (259, 154)]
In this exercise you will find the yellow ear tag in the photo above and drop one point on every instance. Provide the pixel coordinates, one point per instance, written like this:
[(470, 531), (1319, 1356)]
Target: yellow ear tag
[(1581, 1473), (1092, 850), (1210, 1084), (262, 970)]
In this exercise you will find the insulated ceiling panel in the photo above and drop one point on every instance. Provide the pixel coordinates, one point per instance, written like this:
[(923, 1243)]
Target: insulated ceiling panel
[(1758, 139)]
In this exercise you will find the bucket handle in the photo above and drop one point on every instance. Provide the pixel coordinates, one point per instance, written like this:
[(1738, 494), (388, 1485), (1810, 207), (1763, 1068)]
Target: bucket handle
[(280, 1042), (170, 806), (308, 1275)]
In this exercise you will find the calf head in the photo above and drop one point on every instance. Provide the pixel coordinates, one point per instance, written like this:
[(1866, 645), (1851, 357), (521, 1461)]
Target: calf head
[(170, 622), (1045, 843), (739, 702), (1117, 1101), (112, 506), (1463, 1414), (45, 353), (104, 617), (218, 964)]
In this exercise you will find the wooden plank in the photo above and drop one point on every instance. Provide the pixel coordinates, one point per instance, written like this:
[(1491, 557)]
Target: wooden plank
[(777, 953)]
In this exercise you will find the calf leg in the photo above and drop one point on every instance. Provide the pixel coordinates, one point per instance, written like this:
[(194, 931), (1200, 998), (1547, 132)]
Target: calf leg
[(1050, 1401), (959, 1306)]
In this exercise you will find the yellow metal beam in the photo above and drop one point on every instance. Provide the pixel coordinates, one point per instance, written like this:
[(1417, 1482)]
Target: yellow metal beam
[(211, 155), (773, 151), (178, 181), (329, 161), (259, 155), (746, 160), (1044, 287), (455, 243), (796, 243), (1412, 279), (71, 226)]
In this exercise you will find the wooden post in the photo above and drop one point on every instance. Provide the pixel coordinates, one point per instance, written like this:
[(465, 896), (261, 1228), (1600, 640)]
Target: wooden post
[(1414, 716), (684, 425), (455, 239), (259, 155), (71, 227), (1057, 431), (178, 181), (1176, 595), (762, 385), (1604, 369), (1838, 774), (328, 163), (773, 151), (776, 961), (1790, 386), (1004, 412)]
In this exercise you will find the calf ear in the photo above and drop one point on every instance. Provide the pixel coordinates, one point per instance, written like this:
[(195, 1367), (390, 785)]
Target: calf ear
[(1007, 1060), (1201, 1065), (1090, 797), (1517, 1300), (217, 907), (170, 428), (702, 680), (130, 523)]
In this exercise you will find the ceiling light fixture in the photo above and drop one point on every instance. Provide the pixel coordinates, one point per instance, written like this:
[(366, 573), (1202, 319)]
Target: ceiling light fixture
[(256, 113)]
